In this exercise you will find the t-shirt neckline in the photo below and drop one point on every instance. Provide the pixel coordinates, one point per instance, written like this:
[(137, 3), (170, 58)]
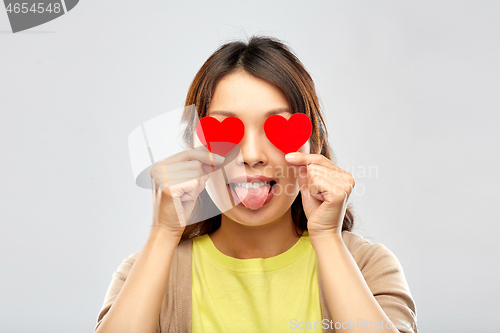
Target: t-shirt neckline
[(256, 264)]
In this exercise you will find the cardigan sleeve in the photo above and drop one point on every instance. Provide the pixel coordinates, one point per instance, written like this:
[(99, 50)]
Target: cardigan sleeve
[(384, 276), (117, 282)]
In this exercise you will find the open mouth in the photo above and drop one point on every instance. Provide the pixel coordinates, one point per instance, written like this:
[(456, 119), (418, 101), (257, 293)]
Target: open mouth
[(252, 195), (252, 185)]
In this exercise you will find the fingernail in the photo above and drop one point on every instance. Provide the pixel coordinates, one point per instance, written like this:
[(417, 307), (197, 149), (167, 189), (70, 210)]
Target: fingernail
[(218, 158), (290, 156)]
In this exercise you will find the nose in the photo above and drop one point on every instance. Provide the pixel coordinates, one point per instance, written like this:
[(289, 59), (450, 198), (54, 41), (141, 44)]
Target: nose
[(253, 149)]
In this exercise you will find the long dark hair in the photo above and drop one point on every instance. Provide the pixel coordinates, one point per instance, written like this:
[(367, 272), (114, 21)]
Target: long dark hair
[(271, 60)]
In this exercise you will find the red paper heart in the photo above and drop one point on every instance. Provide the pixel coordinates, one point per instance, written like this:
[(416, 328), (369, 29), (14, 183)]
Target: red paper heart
[(220, 137), (288, 135)]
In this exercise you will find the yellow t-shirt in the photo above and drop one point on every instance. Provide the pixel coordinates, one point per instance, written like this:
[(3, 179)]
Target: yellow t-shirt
[(277, 294)]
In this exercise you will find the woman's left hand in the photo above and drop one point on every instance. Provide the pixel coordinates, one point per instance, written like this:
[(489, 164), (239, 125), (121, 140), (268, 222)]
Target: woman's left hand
[(325, 190)]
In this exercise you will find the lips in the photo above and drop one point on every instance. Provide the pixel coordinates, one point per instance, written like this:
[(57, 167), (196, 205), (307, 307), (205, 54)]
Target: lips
[(231, 189), (251, 179)]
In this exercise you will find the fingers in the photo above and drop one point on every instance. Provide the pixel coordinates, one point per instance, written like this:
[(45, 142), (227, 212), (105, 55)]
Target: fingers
[(306, 159), (187, 165), (184, 180), (181, 178), (180, 166), (326, 184), (196, 154), (185, 190)]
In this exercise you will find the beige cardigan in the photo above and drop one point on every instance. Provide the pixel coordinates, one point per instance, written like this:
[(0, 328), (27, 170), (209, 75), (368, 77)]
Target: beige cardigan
[(380, 268)]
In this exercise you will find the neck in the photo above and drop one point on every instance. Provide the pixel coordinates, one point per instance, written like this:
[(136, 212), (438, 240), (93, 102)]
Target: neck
[(264, 241)]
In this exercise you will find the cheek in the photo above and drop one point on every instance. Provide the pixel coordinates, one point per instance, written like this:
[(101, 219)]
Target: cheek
[(306, 148), (196, 140)]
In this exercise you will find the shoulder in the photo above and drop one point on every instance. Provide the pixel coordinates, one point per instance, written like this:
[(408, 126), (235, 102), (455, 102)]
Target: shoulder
[(377, 263), (354, 241), (384, 276), (125, 267), (365, 252), (181, 253)]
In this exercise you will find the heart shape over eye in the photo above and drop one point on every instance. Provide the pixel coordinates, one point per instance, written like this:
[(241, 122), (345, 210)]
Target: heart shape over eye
[(288, 135), (220, 137)]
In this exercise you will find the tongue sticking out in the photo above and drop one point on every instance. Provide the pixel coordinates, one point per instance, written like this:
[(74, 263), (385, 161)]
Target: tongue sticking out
[(254, 198)]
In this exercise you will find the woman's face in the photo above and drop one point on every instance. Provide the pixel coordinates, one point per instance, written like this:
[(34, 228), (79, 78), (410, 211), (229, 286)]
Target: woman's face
[(273, 182)]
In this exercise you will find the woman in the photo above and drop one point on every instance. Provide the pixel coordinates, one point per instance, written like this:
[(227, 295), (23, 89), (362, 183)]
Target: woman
[(283, 257)]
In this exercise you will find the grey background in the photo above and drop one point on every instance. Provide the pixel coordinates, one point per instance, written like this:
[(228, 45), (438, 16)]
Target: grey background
[(410, 88)]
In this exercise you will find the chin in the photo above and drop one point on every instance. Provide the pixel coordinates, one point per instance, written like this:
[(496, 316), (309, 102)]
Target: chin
[(249, 217), (266, 214)]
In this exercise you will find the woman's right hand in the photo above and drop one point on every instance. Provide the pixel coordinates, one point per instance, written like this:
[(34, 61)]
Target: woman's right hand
[(177, 181)]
